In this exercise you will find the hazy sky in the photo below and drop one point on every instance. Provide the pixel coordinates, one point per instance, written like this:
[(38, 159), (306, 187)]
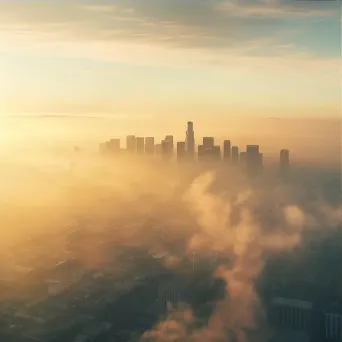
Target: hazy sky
[(147, 61)]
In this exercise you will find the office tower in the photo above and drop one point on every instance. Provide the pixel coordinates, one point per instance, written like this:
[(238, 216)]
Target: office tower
[(253, 159), (113, 145), (235, 154), (208, 142), (169, 139), (190, 139), (110, 147), (181, 151), (226, 150), (131, 144), (167, 148), (140, 145), (261, 161), (243, 158), (284, 162), (149, 145), (216, 153), (200, 153), (284, 158)]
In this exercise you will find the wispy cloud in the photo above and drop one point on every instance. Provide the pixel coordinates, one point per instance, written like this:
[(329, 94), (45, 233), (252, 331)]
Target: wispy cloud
[(192, 24), (273, 9)]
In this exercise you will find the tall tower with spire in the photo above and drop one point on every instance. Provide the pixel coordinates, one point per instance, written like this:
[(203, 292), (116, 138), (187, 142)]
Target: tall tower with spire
[(190, 140)]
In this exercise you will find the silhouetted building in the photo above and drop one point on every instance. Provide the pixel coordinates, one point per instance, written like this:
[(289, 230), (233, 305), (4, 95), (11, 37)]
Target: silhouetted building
[(200, 152), (226, 150), (181, 150), (140, 145), (167, 148), (208, 142), (208, 152), (216, 153), (284, 162), (131, 144), (235, 154), (169, 139), (243, 159), (190, 140), (253, 160), (284, 157), (110, 147), (149, 145)]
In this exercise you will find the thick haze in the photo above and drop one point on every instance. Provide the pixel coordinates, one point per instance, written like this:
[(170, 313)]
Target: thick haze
[(129, 202)]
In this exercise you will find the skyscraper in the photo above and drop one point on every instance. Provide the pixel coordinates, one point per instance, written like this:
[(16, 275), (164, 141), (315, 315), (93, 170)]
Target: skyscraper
[(131, 144), (208, 142), (216, 153), (253, 159), (169, 139), (243, 159), (201, 152), (226, 150), (235, 154), (149, 145), (284, 158), (167, 147), (140, 145), (284, 162), (110, 147), (181, 150), (190, 140)]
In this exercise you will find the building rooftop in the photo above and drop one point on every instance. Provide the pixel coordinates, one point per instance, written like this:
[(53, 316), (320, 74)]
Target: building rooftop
[(294, 303)]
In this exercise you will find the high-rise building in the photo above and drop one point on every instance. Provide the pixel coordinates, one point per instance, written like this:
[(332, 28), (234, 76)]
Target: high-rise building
[(169, 139), (110, 147), (253, 159), (114, 145), (167, 148), (226, 150), (131, 144), (216, 153), (190, 139), (284, 158), (208, 152), (181, 151), (284, 162), (140, 145), (149, 145), (208, 142), (243, 158), (201, 152), (235, 154)]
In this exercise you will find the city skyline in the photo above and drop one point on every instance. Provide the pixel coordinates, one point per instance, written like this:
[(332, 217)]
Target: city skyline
[(70, 70), (201, 150)]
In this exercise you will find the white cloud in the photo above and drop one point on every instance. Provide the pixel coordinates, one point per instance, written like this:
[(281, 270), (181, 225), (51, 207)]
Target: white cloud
[(271, 9)]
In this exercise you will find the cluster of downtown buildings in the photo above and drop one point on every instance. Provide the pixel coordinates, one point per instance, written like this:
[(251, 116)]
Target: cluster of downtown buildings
[(252, 159)]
